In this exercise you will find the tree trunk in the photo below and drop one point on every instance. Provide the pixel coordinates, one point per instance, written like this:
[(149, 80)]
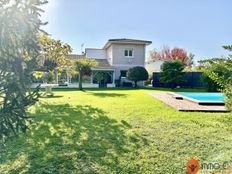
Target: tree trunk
[(56, 76), (136, 84), (80, 81)]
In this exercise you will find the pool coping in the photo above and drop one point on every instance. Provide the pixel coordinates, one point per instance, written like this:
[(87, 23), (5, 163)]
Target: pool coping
[(186, 105), (195, 100)]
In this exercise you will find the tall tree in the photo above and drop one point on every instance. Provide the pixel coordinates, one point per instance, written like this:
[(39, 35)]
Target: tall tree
[(55, 54), (228, 47), (154, 55), (19, 49), (83, 67), (220, 71), (180, 54), (172, 72), (167, 54), (191, 59)]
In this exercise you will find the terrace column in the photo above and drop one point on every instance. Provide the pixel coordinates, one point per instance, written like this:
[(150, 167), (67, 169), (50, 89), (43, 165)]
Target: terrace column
[(91, 77)]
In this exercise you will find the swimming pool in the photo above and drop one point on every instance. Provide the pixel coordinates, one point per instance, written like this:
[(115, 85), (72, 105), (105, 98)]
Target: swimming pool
[(203, 98)]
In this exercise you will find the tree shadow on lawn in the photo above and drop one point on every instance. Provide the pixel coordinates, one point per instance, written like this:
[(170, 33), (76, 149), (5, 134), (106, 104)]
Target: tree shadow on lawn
[(67, 139), (52, 96), (106, 94)]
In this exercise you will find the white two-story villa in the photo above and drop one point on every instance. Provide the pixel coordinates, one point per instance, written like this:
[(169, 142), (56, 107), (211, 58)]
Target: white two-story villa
[(116, 58)]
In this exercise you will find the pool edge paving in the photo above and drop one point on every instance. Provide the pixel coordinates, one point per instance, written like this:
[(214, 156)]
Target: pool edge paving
[(186, 105)]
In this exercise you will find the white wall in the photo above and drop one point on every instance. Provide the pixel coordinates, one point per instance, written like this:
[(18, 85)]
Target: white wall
[(109, 54), (154, 66), (95, 53), (120, 59)]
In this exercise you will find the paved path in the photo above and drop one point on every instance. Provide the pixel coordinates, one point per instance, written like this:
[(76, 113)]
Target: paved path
[(185, 105)]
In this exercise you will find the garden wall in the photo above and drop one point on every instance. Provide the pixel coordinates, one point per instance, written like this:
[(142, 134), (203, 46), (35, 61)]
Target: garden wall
[(191, 80)]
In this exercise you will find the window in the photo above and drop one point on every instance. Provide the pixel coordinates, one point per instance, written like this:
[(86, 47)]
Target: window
[(129, 53)]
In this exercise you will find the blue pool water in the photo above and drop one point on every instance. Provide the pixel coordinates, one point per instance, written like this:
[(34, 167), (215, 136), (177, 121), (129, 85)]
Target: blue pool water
[(204, 97)]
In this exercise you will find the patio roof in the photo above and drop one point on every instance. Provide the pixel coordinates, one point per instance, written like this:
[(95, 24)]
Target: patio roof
[(101, 63)]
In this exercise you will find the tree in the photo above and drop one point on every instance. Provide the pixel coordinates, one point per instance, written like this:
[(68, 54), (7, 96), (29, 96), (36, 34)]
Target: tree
[(228, 97), (209, 84), (172, 72), (83, 67), (228, 47), (137, 74), (209, 67), (167, 54), (220, 71), (154, 55), (49, 77), (55, 54), (191, 59), (180, 54), (49, 65), (19, 50)]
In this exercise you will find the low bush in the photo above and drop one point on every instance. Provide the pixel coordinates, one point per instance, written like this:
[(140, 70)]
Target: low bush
[(209, 84), (228, 97), (49, 77), (137, 74)]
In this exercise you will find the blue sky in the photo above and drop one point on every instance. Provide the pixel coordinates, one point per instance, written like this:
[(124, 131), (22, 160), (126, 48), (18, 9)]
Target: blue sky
[(199, 26)]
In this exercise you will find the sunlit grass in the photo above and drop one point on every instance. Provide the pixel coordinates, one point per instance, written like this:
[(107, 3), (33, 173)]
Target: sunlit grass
[(115, 131)]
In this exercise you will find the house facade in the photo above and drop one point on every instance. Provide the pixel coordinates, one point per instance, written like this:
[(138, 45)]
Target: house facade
[(154, 66), (116, 58)]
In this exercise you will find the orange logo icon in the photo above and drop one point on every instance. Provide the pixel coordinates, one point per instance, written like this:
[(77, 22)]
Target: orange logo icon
[(192, 166)]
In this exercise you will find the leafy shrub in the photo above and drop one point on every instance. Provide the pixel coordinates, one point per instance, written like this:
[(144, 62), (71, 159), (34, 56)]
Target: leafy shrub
[(37, 76), (86, 79), (83, 67), (228, 97), (209, 84), (49, 77), (220, 71), (19, 50), (172, 72), (137, 74)]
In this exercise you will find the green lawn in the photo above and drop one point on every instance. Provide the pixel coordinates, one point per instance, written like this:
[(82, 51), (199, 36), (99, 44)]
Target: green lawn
[(115, 131)]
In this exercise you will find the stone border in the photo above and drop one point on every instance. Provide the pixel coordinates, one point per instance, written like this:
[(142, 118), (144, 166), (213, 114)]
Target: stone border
[(185, 105)]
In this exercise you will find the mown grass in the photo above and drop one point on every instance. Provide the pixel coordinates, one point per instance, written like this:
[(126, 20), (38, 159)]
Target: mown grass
[(115, 131)]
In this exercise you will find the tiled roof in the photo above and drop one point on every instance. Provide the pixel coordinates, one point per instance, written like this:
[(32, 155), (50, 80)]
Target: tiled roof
[(101, 63)]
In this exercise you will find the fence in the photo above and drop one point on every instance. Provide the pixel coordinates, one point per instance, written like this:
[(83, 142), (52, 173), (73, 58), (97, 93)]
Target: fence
[(191, 80)]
